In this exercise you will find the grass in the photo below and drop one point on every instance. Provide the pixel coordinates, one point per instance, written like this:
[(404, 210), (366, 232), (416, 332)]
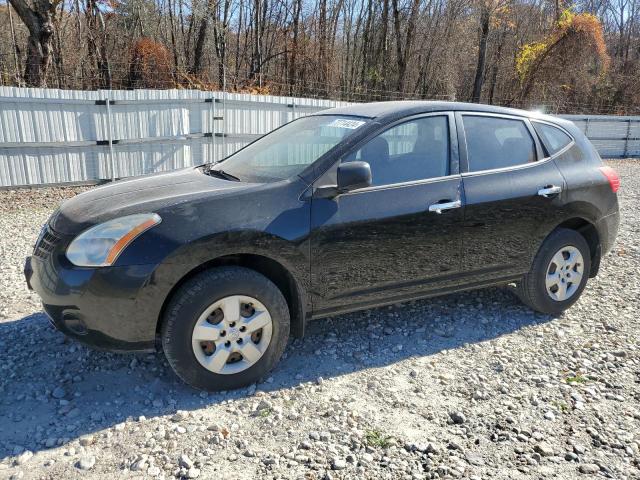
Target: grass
[(375, 438), (577, 379), (560, 405), (265, 412)]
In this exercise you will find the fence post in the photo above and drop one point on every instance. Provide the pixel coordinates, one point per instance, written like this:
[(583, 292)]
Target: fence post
[(586, 128), (224, 124), (110, 140), (212, 116), (626, 140)]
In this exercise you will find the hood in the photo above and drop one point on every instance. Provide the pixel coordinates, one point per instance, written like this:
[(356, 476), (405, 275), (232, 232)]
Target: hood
[(137, 195)]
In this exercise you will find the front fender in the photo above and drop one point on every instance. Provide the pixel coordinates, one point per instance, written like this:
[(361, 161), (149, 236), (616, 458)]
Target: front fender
[(193, 256), (293, 256)]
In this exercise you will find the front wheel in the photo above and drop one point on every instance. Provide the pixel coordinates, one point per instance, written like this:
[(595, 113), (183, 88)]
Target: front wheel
[(559, 273), (225, 328)]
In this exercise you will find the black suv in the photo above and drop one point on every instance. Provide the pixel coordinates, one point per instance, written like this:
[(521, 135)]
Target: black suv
[(347, 209)]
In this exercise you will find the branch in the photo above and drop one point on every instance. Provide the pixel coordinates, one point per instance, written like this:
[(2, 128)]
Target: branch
[(26, 14)]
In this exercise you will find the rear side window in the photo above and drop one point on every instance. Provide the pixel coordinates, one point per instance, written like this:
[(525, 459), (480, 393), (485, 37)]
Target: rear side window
[(494, 142), (553, 138)]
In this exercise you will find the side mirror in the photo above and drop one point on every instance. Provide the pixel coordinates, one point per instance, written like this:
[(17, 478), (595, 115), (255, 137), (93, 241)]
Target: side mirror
[(353, 175)]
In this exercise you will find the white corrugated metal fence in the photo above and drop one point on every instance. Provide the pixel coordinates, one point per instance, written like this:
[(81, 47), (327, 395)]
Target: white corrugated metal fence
[(59, 136), (613, 136), (52, 136)]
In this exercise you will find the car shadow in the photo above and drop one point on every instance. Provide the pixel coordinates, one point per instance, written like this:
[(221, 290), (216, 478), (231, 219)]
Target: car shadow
[(53, 390)]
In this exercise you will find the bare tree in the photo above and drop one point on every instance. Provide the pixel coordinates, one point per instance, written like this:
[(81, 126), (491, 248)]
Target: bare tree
[(349, 49), (38, 17), (403, 48), (97, 42)]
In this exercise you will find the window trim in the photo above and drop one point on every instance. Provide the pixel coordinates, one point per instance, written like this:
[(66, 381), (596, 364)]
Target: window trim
[(410, 183), (462, 142), (454, 154), (563, 130)]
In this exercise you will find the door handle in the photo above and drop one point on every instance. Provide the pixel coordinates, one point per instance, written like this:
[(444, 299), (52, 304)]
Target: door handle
[(439, 207), (549, 191)]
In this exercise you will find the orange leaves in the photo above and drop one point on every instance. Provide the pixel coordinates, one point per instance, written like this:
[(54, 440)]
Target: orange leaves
[(590, 28), (147, 49), (150, 65), (575, 39)]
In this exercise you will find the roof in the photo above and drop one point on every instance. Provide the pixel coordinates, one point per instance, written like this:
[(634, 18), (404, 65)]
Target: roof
[(411, 107)]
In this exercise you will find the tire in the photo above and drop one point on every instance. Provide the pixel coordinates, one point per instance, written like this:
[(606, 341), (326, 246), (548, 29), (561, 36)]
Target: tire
[(203, 301), (533, 289)]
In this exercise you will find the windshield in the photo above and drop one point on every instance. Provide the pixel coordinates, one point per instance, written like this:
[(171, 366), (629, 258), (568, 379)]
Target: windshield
[(287, 151)]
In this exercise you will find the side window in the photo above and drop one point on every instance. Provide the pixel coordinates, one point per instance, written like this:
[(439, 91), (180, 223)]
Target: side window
[(415, 150), (553, 138), (494, 142)]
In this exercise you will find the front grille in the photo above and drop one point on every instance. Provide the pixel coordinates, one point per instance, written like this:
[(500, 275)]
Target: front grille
[(46, 243)]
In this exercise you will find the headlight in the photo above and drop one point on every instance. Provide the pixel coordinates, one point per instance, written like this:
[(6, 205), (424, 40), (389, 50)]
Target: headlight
[(100, 245)]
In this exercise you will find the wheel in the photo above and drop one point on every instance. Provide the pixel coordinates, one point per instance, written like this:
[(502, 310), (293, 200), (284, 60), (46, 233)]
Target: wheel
[(559, 273), (225, 328)]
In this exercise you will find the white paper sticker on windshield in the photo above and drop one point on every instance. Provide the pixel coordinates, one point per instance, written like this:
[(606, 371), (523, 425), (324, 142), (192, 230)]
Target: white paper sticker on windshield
[(342, 123)]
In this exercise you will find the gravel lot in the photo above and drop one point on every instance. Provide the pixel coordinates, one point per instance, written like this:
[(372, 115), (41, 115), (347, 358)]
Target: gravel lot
[(471, 385)]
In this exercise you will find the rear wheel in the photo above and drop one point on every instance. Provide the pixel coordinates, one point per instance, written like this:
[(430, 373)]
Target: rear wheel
[(559, 273), (225, 328)]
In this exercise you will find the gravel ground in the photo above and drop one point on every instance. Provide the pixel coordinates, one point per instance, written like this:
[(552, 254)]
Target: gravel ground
[(471, 385)]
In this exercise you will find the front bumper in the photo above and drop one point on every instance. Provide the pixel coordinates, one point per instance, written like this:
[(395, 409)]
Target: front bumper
[(111, 308)]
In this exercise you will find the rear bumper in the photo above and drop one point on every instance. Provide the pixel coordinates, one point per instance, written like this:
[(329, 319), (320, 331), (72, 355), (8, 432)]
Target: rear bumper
[(107, 308), (608, 231), (607, 228)]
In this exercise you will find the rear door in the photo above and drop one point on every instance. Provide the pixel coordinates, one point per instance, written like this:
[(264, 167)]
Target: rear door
[(384, 243), (512, 195)]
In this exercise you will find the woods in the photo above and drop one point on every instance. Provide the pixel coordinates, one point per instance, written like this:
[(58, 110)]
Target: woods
[(568, 58)]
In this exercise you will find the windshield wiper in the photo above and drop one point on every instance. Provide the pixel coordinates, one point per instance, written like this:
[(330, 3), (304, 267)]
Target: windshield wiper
[(221, 174)]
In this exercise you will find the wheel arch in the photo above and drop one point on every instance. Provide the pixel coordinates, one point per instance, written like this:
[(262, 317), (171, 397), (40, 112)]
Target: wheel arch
[(590, 233), (275, 271)]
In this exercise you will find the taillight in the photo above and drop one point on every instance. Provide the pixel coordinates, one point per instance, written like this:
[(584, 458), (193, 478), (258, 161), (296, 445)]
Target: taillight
[(612, 176)]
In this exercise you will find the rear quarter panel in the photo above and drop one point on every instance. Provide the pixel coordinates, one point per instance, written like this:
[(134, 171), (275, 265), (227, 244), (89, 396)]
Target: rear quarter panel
[(588, 194), (588, 190)]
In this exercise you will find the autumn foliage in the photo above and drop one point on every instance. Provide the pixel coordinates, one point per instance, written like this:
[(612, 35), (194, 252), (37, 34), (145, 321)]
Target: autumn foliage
[(150, 64), (505, 52), (573, 56)]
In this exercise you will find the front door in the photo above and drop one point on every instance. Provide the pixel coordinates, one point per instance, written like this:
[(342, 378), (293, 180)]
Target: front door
[(382, 243)]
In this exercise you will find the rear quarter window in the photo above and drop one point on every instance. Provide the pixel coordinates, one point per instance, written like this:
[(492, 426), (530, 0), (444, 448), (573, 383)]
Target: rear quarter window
[(552, 137)]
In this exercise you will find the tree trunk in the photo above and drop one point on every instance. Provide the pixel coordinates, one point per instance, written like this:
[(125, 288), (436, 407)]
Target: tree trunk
[(220, 28), (104, 66), (485, 17), (399, 54), (322, 44), (58, 59), (16, 49), (174, 45), (495, 68), (98, 48), (382, 53), (297, 9), (403, 49), (39, 22), (256, 67), (196, 68), (365, 45)]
